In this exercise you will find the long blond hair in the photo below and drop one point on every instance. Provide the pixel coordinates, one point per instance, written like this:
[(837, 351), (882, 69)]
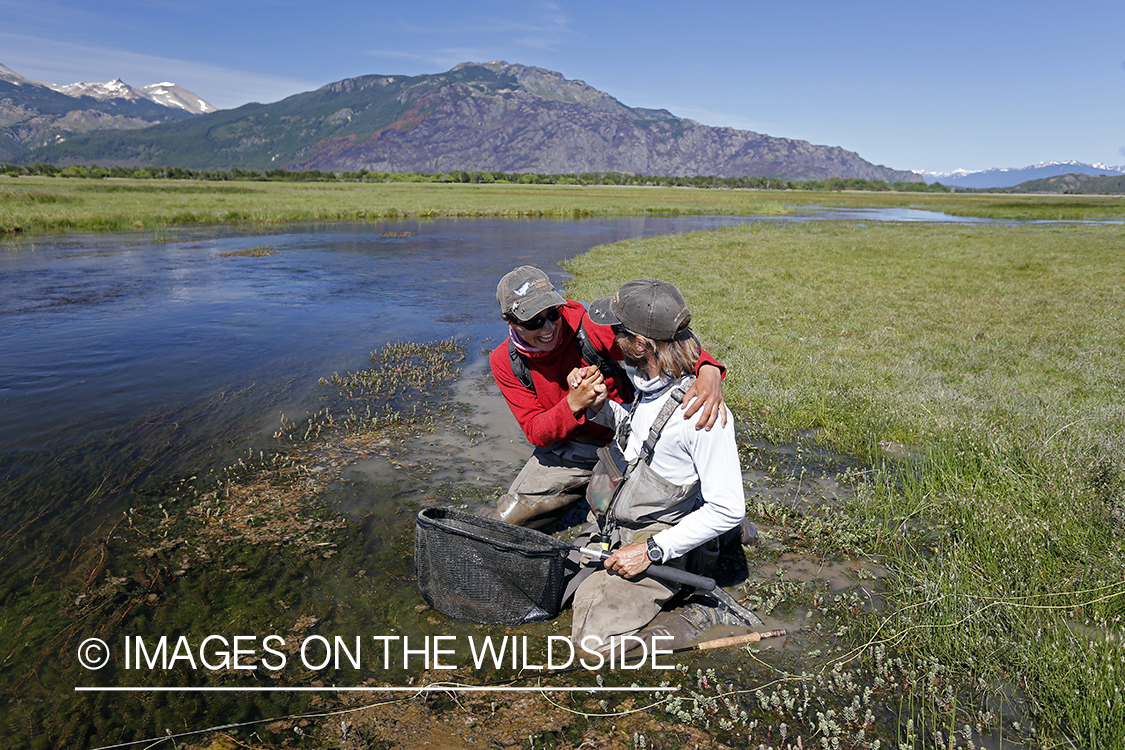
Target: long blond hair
[(677, 358)]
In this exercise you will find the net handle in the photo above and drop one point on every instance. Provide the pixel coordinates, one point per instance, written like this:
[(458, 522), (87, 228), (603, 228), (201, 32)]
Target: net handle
[(673, 575)]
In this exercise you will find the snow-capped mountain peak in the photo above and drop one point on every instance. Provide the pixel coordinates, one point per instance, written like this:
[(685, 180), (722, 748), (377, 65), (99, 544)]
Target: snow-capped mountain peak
[(171, 95), (115, 89), (166, 94), (1011, 176)]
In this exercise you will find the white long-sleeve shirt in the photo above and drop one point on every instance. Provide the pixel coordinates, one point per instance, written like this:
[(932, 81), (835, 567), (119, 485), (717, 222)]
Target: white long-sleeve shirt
[(682, 455)]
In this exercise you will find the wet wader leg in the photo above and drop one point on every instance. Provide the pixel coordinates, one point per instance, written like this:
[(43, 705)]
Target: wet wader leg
[(670, 630), (543, 491), (607, 605), (687, 624)]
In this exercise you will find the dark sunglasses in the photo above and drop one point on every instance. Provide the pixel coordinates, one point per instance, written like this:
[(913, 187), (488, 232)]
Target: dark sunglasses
[(540, 320)]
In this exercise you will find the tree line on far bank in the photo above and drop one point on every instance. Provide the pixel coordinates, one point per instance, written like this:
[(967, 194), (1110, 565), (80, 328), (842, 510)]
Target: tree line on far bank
[(469, 177)]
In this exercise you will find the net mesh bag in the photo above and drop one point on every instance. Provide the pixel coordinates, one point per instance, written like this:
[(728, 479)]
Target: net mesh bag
[(475, 568)]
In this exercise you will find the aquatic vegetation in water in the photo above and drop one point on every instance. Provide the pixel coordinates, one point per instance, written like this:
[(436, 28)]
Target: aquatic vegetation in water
[(261, 251), (235, 547)]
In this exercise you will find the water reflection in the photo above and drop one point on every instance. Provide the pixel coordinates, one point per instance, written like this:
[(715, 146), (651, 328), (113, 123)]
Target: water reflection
[(125, 358), (128, 356)]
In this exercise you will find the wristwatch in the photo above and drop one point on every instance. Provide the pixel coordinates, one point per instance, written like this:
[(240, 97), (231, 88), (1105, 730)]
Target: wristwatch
[(655, 554)]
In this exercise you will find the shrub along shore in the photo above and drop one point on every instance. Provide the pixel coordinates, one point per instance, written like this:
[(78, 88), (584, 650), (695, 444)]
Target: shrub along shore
[(974, 371)]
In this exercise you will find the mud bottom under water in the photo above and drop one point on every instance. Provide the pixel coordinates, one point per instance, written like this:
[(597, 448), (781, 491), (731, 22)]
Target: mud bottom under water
[(346, 573)]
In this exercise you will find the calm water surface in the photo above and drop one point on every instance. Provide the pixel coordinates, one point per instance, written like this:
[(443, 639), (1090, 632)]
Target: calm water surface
[(129, 357), (124, 355)]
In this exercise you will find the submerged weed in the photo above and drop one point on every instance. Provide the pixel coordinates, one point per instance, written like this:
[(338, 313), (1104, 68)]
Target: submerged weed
[(260, 251)]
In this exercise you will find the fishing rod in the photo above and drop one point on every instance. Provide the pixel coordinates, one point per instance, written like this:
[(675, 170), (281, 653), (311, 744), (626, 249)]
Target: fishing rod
[(663, 572), (734, 640)]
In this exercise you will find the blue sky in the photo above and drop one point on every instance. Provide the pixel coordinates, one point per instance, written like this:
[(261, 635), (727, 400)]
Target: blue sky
[(936, 87)]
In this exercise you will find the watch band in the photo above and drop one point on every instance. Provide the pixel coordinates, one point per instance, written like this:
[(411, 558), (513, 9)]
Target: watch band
[(655, 554)]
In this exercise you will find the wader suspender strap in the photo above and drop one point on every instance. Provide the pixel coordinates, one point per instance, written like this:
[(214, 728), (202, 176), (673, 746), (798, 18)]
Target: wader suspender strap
[(622, 437), (608, 366), (677, 397)]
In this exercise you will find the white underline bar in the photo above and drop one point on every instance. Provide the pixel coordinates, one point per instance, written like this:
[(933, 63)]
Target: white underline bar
[(364, 689)]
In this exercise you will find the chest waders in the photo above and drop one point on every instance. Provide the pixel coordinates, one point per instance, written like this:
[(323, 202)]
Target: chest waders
[(632, 502), (629, 500), (627, 496)]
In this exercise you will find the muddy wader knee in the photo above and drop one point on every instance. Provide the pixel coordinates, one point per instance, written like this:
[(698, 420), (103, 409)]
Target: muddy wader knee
[(534, 512), (543, 491)]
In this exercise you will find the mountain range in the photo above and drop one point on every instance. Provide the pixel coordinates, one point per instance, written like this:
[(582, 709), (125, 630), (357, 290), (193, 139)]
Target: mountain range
[(1071, 182), (1003, 178), (34, 113), (491, 116)]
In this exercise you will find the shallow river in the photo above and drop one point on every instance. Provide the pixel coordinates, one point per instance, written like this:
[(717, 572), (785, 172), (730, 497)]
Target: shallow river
[(129, 357)]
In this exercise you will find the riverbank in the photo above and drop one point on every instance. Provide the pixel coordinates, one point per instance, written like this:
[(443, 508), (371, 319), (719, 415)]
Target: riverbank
[(49, 204), (975, 372)]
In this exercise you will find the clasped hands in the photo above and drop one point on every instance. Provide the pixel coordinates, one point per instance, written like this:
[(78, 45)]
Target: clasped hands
[(586, 389)]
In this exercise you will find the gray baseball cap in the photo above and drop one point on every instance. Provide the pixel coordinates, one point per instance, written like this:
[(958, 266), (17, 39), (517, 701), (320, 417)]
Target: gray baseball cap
[(526, 292), (650, 307)]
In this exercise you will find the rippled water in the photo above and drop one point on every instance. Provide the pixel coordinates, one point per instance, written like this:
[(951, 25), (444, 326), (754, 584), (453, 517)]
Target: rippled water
[(111, 339), (108, 327), (129, 357)]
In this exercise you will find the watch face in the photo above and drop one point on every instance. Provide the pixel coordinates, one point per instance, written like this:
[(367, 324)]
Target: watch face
[(654, 552)]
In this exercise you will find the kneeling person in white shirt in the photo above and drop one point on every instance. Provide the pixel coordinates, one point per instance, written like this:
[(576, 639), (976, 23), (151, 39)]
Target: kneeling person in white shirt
[(679, 493)]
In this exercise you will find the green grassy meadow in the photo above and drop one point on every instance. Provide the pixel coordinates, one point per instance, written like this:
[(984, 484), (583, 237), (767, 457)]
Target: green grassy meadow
[(978, 372), (37, 204), (974, 372), (48, 204)]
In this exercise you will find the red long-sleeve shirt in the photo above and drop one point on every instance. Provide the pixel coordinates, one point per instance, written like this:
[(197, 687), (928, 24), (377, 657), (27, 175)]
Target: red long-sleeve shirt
[(544, 413)]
